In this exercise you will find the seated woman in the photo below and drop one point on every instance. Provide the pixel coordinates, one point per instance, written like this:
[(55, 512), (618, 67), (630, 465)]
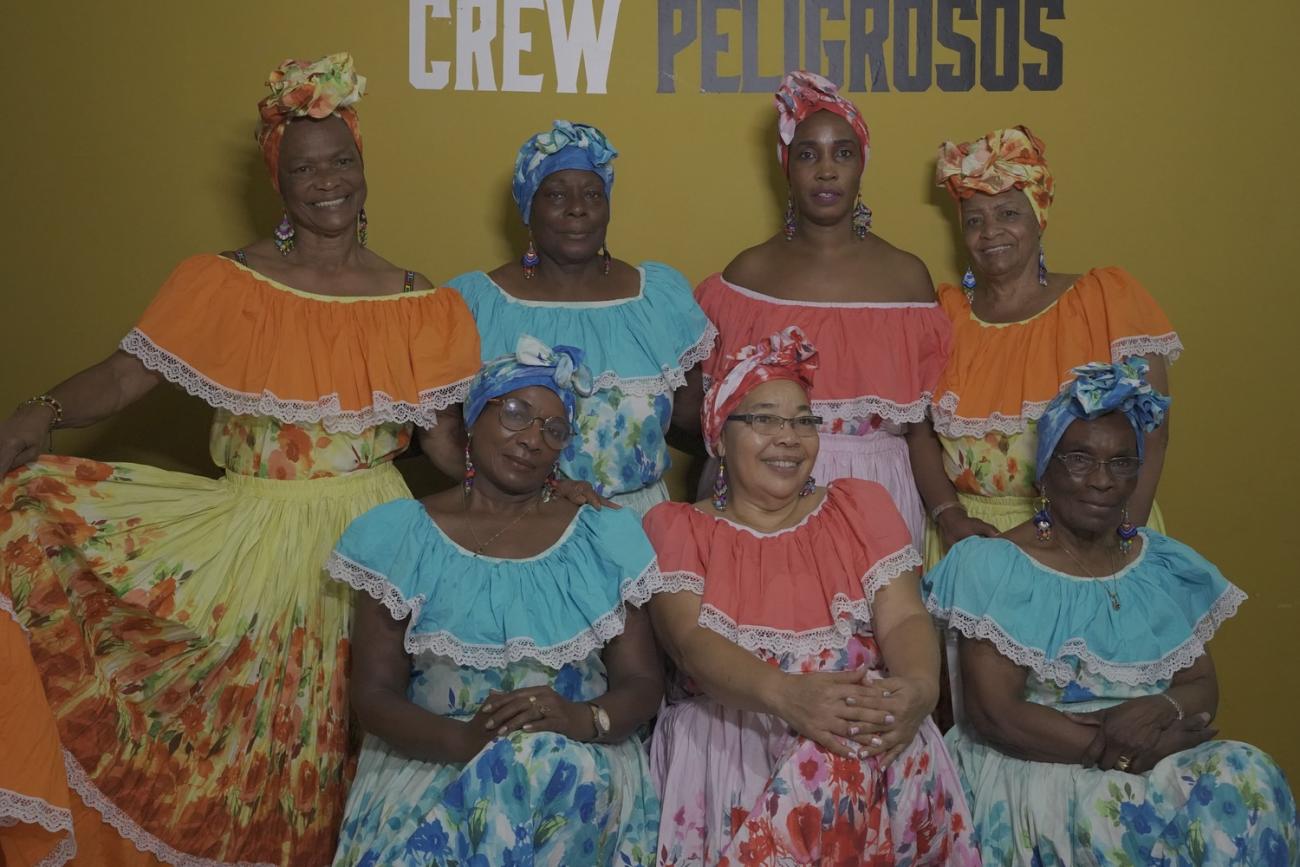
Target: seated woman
[(1089, 693), (500, 663), (798, 731)]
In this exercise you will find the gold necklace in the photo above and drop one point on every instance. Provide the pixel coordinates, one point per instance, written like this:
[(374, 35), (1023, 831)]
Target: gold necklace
[(1105, 582), (483, 546)]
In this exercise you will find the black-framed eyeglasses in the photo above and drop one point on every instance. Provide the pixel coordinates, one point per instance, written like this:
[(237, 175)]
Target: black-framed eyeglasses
[(768, 425), (517, 415), (1081, 464)]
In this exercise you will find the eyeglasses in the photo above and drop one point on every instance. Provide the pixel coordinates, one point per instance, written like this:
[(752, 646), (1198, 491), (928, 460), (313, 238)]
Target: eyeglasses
[(768, 425), (1080, 465), (517, 415)]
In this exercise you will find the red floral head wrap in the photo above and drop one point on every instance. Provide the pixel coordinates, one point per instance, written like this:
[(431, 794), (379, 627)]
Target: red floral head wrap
[(787, 355), (1002, 160), (307, 89), (802, 93)]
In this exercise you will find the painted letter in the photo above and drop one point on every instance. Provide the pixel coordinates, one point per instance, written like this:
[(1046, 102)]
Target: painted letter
[(867, 47), (753, 81), (433, 74), (1009, 54), (904, 78), (514, 42), (474, 44), (713, 43), (813, 46), (1035, 78), (951, 80), (581, 45), (672, 40)]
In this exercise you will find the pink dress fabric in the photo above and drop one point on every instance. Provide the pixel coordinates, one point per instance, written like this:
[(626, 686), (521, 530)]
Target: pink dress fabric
[(739, 787), (879, 365)]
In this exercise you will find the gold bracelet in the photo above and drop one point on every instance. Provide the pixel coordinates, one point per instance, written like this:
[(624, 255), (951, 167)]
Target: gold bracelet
[(943, 507), (46, 401), (1178, 707)]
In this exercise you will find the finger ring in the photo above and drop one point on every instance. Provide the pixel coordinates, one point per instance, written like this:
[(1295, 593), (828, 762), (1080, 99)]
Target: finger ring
[(532, 699), (886, 692), (1122, 763)]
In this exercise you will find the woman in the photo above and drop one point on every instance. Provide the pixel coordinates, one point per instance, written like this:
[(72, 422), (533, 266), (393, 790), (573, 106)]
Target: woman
[(798, 729), (502, 664), (639, 326), (855, 295), (1018, 331), (1089, 691), (191, 649)]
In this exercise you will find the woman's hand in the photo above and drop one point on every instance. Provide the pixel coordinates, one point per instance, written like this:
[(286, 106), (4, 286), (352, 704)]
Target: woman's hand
[(23, 435), (581, 494), (954, 525), (830, 708), (906, 702), (1129, 730), (536, 709)]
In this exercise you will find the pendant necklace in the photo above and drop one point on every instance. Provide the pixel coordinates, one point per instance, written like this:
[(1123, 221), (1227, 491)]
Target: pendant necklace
[(483, 546), (1105, 582)]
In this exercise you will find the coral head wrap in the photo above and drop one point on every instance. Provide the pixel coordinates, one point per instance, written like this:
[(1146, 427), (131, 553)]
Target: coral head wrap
[(565, 145), (1002, 160), (801, 93), (1099, 389), (317, 89), (786, 355), (558, 368)]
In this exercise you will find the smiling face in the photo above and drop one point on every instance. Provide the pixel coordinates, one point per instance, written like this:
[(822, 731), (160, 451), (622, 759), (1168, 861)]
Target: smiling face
[(515, 462), (825, 168), (1001, 233), (570, 215), (1094, 503), (321, 177), (770, 468)]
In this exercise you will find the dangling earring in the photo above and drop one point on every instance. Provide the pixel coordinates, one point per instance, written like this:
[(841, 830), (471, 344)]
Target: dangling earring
[(362, 234), (861, 218), (604, 253), (470, 472), (808, 487), (1127, 533), (1043, 520), (1042, 267), (531, 260), (284, 235), (790, 224), (551, 487), (968, 284), (720, 487)]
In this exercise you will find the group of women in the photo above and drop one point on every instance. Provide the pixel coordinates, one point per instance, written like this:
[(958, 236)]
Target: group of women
[(550, 662)]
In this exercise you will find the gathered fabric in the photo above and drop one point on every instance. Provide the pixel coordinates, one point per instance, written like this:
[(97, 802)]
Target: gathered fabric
[(785, 355), (800, 94), (1005, 159), (566, 145), (307, 89)]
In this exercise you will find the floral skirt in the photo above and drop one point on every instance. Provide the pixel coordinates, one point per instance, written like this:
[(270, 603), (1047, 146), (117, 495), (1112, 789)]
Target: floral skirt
[(1219, 804), (192, 654)]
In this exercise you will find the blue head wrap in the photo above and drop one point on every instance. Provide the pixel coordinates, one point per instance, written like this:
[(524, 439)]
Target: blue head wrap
[(1096, 390), (533, 363), (565, 146)]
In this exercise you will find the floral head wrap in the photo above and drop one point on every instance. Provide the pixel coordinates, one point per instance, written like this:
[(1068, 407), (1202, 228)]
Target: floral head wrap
[(802, 93), (558, 368), (1099, 389), (307, 89), (787, 355), (565, 146), (1002, 160)]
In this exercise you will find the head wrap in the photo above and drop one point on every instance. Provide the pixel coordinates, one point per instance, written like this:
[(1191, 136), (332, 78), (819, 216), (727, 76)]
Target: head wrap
[(564, 146), (1099, 389), (558, 368), (307, 89), (787, 355), (802, 93), (1002, 160)]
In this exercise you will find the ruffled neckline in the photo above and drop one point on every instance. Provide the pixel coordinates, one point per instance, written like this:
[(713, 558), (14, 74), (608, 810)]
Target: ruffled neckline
[(643, 344), (852, 544), (1172, 601), (556, 607)]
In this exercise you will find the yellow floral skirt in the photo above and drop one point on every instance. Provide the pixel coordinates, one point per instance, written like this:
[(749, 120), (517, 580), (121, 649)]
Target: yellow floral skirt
[(192, 650)]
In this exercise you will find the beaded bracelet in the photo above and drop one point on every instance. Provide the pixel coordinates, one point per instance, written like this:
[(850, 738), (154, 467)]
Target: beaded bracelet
[(943, 507), (1178, 707), (46, 401)]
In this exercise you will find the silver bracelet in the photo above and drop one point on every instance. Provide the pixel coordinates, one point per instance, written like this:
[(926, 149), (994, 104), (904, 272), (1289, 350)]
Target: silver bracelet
[(1178, 707), (943, 507)]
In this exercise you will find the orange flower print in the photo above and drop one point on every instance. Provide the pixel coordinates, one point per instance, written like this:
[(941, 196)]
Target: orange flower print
[(296, 444), (278, 466), (966, 482), (93, 471), (804, 824)]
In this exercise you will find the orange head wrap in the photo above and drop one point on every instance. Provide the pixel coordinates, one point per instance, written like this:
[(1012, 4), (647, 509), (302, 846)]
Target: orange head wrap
[(307, 89), (1002, 160)]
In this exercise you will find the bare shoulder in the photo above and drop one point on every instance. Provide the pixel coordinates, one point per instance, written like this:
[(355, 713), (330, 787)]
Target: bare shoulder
[(906, 273), (752, 265)]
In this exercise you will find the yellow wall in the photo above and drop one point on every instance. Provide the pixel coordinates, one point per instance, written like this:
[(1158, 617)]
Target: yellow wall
[(129, 147)]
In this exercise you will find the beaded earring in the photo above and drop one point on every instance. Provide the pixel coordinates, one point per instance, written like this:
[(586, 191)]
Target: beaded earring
[(1042, 267), (790, 223), (531, 260), (720, 487), (1043, 520), (808, 487), (362, 234), (861, 218), (604, 254), (968, 284), (470, 472), (551, 487), (1126, 532), (284, 235)]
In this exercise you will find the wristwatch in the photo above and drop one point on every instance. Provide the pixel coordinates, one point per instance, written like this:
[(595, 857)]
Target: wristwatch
[(600, 718)]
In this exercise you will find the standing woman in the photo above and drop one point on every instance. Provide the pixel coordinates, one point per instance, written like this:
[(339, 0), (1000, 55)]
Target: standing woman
[(1018, 332), (867, 305), (192, 651), (640, 328)]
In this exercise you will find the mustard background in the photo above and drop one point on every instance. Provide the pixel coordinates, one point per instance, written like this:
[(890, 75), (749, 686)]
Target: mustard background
[(129, 146)]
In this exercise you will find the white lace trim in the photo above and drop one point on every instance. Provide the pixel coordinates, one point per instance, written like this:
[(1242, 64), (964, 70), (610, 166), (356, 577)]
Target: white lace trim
[(1145, 344), (634, 591), (678, 581), (866, 406), (79, 781), (848, 616), (1061, 671), (670, 378), (325, 410)]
